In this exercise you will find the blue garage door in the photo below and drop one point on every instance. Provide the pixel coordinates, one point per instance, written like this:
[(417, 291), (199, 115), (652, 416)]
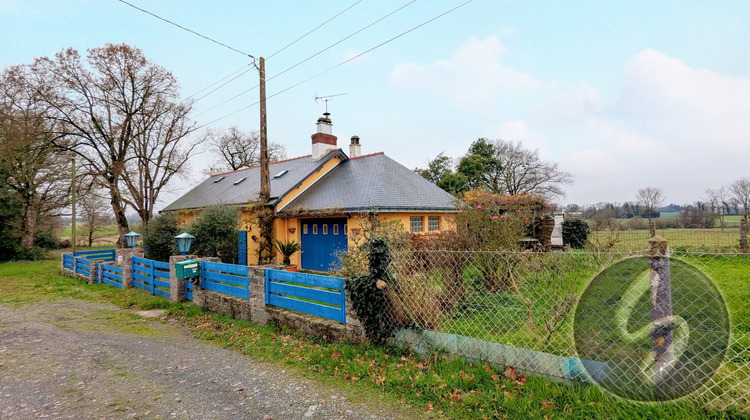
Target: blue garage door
[(322, 241)]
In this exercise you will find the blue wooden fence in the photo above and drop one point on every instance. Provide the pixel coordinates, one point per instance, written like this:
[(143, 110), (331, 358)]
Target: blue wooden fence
[(189, 290), (98, 255), (312, 294), (109, 274), (229, 279), (149, 275), (68, 261), (82, 266)]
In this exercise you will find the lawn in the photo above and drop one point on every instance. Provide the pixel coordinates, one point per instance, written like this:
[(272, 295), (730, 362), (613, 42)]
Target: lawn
[(439, 385), (715, 239)]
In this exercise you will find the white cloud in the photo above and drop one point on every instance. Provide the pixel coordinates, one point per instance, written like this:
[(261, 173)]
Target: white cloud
[(671, 125), (475, 74)]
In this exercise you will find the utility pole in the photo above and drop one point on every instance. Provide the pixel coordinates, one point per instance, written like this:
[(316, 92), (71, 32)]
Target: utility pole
[(265, 193), (265, 222), (73, 238)]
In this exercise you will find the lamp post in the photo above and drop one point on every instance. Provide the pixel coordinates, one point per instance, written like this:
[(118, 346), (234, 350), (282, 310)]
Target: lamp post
[(132, 239), (184, 242)]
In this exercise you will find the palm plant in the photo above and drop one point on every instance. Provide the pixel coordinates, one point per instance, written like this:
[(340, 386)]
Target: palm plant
[(287, 249)]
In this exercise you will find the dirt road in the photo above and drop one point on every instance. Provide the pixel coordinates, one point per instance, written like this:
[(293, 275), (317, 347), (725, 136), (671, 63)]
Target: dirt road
[(82, 360)]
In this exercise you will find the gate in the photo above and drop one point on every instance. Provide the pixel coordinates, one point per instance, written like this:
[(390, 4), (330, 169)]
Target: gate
[(150, 276)]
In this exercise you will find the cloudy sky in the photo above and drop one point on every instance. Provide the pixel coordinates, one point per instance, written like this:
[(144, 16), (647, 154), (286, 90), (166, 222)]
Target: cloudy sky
[(622, 94)]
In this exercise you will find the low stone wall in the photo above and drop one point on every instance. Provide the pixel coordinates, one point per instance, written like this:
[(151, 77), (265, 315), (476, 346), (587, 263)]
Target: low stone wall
[(253, 309)]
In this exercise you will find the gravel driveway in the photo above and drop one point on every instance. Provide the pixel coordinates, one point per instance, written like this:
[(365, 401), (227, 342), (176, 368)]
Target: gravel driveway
[(76, 359)]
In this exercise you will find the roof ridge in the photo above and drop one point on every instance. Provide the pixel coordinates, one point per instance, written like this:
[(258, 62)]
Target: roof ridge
[(367, 155), (258, 166)]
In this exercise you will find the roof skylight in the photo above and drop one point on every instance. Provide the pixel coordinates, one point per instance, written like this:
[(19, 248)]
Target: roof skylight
[(219, 179), (280, 174), (239, 180)]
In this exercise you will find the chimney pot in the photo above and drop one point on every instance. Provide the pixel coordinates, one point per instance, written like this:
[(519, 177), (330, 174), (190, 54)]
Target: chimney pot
[(354, 148), (323, 140)]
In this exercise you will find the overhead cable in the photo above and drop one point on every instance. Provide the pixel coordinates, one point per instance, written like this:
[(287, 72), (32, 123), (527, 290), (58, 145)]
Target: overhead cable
[(343, 62), (187, 29)]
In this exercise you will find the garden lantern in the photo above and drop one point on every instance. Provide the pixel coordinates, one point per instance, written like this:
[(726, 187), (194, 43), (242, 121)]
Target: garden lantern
[(184, 242), (132, 239)]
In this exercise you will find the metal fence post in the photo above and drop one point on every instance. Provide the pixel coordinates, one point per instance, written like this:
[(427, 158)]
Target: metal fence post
[(661, 300), (743, 235)]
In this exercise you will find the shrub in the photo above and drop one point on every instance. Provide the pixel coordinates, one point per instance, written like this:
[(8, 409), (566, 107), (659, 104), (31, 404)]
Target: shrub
[(216, 233), (158, 237), (370, 302), (575, 233)]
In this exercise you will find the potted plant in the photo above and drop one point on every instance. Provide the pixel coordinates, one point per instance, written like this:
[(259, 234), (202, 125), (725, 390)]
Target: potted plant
[(287, 249)]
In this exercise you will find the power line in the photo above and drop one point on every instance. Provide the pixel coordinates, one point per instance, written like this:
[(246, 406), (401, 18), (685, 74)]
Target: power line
[(226, 83), (342, 63), (314, 29), (310, 57), (221, 80), (187, 29)]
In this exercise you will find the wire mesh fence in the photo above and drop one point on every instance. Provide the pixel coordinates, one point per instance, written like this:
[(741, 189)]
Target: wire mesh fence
[(587, 316)]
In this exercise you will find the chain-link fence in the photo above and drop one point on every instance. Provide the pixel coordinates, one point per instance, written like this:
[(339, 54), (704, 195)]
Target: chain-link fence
[(587, 316)]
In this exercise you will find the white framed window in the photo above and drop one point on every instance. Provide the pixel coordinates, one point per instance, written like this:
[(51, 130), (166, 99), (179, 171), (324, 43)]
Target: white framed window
[(325, 229), (315, 229), (335, 229), (416, 223), (346, 228), (433, 223), (304, 229)]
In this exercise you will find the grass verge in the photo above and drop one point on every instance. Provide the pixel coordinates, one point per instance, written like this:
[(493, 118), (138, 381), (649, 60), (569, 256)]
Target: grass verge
[(438, 385)]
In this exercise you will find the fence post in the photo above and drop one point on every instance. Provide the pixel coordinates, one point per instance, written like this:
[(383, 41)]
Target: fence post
[(743, 235), (94, 272), (661, 301), (125, 258), (176, 286), (652, 228)]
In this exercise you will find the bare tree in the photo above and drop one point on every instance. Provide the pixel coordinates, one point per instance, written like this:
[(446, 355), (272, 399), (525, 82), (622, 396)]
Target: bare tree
[(94, 213), (30, 165), (159, 151), (525, 173), (238, 149), (740, 191), (718, 199), (104, 108), (650, 198)]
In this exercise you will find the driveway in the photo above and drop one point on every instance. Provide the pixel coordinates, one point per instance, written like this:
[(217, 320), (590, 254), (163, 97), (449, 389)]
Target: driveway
[(76, 359)]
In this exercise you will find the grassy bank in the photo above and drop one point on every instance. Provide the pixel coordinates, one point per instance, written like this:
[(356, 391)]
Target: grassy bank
[(438, 385)]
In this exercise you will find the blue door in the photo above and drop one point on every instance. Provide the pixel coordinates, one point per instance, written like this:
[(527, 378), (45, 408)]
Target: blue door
[(322, 241), (242, 245)]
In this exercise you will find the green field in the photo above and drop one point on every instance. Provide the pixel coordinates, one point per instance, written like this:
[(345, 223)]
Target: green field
[(704, 240)]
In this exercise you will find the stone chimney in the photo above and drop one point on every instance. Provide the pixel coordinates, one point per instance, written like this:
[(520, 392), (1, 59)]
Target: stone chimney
[(355, 149), (323, 141)]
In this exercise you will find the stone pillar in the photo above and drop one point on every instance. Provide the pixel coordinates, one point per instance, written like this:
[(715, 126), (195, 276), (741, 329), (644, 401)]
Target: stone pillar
[(743, 235), (661, 300), (94, 271), (176, 286), (124, 257)]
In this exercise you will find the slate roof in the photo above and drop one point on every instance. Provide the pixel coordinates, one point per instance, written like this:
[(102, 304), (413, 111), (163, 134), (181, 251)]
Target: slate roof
[(363, 183), (372, 182), (216, 190)]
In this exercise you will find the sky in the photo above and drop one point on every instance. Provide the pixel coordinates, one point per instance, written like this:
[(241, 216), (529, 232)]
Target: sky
[(623, 95)]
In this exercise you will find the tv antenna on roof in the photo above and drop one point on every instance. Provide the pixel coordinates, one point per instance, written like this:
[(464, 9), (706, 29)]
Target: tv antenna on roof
[(326, 98)]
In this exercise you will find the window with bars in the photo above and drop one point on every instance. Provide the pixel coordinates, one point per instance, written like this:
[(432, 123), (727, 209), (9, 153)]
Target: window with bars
[(433, 223), (416, 223)]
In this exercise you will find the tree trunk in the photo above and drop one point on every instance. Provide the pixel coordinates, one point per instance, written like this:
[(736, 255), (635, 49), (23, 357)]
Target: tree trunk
[(119, 210), (29, 229)]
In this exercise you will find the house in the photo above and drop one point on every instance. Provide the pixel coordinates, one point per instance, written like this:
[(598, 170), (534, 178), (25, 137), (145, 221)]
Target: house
[(319, 199)]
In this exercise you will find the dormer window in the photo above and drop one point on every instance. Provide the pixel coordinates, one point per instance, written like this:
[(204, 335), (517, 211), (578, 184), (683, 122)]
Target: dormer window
[(237, 182), (219, 179), (280, 174)]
